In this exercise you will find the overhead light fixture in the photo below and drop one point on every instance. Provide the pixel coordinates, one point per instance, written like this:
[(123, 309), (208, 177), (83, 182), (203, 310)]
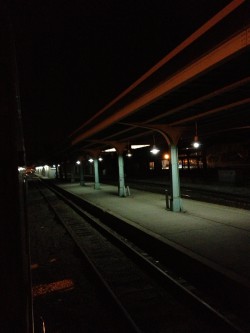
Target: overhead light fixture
[(154, 149), (129, 154), (110, 150), (100, 159), (196, 144), (139, 146), (78, 162), (91, 160)]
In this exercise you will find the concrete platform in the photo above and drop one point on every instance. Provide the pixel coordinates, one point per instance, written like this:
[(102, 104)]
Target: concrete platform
[(217, 235)]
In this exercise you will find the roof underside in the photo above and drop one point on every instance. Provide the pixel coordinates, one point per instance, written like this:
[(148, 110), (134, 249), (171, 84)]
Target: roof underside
[(207, 83)]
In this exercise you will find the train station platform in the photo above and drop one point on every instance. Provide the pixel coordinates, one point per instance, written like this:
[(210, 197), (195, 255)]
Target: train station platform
[(216, 235)]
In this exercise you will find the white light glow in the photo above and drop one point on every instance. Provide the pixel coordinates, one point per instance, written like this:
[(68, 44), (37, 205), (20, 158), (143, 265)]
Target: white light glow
[(196, 144), (91, 160), (78, 162), (109, 150), (154, 150), (139, 146)]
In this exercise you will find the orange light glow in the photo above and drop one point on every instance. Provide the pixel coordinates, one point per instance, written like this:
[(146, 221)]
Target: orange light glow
[(43, 289), (166, 156)]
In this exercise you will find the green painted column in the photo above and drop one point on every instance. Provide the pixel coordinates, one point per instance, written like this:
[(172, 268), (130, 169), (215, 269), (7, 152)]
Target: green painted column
[(96, 170), (122, 189), (57, 171), (81, 166), (175, 200), (72, 179)]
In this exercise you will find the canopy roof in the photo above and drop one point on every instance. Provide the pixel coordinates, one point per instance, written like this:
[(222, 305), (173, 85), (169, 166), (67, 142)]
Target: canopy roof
[(204, 81)]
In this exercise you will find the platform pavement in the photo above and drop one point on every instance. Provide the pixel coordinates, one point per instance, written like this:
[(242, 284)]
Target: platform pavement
[(217, 235)]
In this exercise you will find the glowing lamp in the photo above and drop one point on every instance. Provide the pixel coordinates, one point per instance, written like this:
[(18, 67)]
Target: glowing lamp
[(129, 154), (154, 150), (166, 156), (196, 143)]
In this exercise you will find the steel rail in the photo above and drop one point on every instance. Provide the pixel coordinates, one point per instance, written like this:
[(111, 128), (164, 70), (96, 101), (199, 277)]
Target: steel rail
[(93, 267), (132, 250)]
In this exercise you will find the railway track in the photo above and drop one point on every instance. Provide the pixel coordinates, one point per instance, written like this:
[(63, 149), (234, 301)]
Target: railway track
[(194, 192), (67, 295), (151, 296)]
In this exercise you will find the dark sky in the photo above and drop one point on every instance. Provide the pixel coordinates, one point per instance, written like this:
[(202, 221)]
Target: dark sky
[(75, 56)]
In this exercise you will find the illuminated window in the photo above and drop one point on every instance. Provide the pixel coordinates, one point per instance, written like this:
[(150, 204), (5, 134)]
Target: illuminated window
[(165, 164), (151, 165)]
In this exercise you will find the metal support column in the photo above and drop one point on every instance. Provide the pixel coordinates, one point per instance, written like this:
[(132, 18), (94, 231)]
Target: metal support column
[(82, 182), (57, 172), (122, 189), (175, 200), (61, 172), (72, 173), (65, 170), (96, 169)]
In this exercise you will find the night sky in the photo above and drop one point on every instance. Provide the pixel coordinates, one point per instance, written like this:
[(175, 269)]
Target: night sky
[(75, 56)]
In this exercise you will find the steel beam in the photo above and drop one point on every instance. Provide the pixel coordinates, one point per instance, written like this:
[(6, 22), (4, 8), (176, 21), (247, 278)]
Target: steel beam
[(218, 17), (222, 52)]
